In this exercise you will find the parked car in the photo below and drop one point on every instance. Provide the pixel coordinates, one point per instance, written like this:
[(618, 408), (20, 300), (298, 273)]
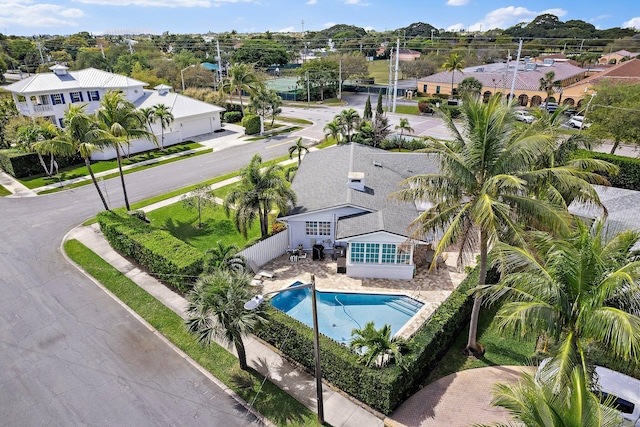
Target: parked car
[(524, 116), (579, 122), (549, 106), (621, 390)]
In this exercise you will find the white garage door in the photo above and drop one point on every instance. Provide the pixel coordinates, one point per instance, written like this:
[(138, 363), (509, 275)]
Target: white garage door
[(196, 127)]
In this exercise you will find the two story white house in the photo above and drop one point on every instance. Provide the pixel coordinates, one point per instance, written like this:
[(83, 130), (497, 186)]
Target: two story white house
[(49, 94), (343, 204)]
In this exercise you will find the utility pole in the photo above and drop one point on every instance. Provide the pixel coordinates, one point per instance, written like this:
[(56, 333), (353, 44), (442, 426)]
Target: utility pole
[(395, 84), (131, 47), (515, 71), (340, 80), (40, 49), (219, 62), (102, 50), (306, 75), (390, 78)]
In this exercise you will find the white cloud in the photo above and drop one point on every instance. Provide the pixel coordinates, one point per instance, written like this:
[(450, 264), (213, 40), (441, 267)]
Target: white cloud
[(286, 30), (508, 16), (632, 23), (356, 2), (44, 15), (455, 27), (369, 28), (457, 2), (156, 3), (312, 2), (329, 24)]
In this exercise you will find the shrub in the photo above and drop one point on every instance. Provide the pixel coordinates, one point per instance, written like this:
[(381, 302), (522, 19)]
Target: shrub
[(629, 175), (425, 107), (277, 227), (166, 257), (232, 116), (383, 389), (251, 124), (19, 164)]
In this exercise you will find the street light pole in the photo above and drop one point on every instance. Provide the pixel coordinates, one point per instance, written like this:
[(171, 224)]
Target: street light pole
[(254, 302), (182, 74)]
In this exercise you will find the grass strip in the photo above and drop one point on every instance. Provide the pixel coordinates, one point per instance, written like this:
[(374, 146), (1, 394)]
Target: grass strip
[(4, 191), (294, 120), (278, 406), (280, 132)]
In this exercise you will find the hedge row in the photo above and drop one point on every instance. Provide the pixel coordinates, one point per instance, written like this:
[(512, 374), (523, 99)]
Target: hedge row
[(166, 257), (19, 164), (383, 389), (251, 124), (629, 175)]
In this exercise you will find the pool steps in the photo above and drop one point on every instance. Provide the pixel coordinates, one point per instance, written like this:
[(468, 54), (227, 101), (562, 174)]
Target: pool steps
[(408, 306)]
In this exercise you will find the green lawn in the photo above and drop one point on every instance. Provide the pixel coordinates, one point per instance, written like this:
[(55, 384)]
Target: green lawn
[(501, 349), (78, 171), (379, 70), (279, 132), (407, 109), (294, 120), (4, 191), (183, 224), (275, 404)]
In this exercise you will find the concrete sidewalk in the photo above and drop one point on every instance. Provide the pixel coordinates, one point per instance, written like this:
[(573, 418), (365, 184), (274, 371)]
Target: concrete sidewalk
[(340, 411)]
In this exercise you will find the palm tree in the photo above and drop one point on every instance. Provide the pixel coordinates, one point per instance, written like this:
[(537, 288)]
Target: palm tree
[(454, 63), (547, 84), (216, 310), (259, 190), (332, 129), (147, 113), (348, 120), (120, 123), (375, 346), (163, 113), (241, 77), (223, 257), (482, 187), (535, 402), (37, 138), (79, 133), (299, 148), (404, 125), (581, 291)]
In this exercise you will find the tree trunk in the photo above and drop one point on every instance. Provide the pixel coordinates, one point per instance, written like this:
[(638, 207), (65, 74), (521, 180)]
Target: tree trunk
[(264, 221), (472, 345), (242, 354), (124, 187), (44, 165), (162, 139), (87, 162), (615, 147), (241, 104)]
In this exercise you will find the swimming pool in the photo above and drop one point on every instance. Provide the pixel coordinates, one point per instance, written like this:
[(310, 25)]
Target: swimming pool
[(340, 313)]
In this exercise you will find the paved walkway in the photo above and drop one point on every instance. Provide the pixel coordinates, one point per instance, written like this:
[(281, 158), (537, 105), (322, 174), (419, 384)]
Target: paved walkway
[(457, 400), (340, 411)]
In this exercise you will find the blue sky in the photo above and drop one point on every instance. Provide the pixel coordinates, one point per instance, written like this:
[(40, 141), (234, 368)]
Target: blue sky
[(32, 17)]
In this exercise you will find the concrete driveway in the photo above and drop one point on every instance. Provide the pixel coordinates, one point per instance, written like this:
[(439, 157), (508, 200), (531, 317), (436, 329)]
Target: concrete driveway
[(457, 400)]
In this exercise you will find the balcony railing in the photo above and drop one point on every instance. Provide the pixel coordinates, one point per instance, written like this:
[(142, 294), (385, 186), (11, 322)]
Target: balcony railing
[(28, 110)]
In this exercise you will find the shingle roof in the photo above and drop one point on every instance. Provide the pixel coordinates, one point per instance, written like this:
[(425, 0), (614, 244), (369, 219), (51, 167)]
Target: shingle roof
[(179, 105), (89, 78), (627, 71), (499, 76), (321, 183)]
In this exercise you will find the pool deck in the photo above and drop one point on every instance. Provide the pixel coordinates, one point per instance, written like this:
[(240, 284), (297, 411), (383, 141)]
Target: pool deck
[(428, 286)]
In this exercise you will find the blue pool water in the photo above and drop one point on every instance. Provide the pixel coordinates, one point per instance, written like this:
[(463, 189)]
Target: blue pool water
[(340, 313)]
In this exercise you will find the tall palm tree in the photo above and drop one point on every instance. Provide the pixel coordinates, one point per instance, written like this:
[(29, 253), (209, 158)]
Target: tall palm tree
[(79, 133), (162, 113), (535, 402), (332, 129), (376, 347), (453, 63), (348, 121), (404, 125), (147, 113), (37, 138), (120, 123), (223, 257), (298, 148), (259, 191), (241, 77), (582, 291), (482, 188), (547, 84), (216, 310)]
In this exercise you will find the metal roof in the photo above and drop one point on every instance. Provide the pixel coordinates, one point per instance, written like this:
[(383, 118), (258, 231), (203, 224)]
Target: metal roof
[(180, 106), (89, 78)]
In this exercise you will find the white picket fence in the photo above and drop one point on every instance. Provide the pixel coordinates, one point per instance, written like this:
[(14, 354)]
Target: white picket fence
[(268, 249)]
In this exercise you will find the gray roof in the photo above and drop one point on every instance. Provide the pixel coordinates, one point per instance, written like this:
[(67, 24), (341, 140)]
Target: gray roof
[(179, 105), (89, 78), (321, 183), (499, 76), (622, 207)]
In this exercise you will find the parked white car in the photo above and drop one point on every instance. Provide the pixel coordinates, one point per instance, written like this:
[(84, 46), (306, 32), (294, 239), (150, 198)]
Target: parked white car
[(524, 116), (579, 122)]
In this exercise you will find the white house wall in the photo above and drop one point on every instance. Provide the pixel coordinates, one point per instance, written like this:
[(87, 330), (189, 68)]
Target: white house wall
[(297, 230), (380, 271)]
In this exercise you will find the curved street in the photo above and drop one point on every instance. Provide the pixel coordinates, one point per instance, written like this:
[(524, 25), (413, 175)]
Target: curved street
[(72, 355)]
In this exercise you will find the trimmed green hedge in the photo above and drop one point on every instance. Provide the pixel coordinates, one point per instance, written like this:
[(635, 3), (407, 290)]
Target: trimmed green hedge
[(629, 175), (166, 257), (19, 164), (383, 389), (251, 124), (232, 116)]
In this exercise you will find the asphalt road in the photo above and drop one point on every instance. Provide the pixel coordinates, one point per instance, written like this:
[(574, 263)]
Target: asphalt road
[(72, 355)]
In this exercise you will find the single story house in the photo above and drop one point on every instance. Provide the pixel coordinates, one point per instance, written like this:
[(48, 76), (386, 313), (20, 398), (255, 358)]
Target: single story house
[(406, 55), (48, 94), (616, 57), (344, 206)]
